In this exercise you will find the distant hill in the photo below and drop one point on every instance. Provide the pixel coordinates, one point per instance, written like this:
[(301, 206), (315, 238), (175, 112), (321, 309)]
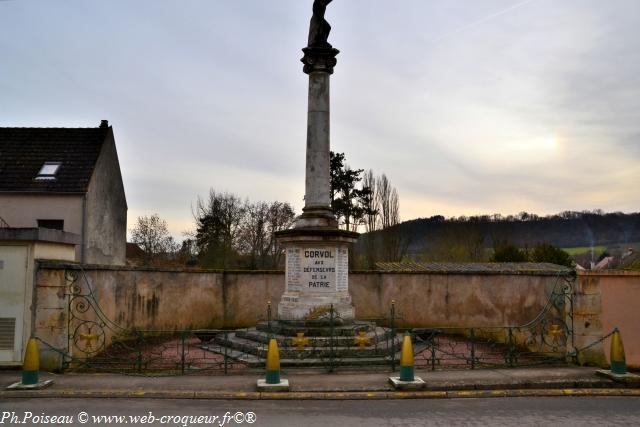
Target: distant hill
[(565, 230)]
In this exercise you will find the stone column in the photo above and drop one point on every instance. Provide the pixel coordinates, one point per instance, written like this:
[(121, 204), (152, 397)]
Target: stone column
[(318, 64), (318, 129), (317, 252)]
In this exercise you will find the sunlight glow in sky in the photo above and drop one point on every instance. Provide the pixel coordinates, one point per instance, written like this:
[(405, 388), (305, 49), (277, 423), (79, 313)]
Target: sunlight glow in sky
[(469, 106)]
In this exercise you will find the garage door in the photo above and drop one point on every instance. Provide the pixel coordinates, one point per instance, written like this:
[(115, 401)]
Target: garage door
[(13, 276)]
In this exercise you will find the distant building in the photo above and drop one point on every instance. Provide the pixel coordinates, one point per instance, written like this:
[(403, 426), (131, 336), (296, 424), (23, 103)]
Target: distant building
[(135, 255), (630, 260), (605, 263), (66, 179)]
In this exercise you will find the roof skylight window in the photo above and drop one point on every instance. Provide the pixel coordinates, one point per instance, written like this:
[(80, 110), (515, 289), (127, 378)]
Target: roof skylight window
[(48, 171)]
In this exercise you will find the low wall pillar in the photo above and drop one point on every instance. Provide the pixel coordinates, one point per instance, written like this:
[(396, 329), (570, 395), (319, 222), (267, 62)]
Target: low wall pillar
[(587, 321)]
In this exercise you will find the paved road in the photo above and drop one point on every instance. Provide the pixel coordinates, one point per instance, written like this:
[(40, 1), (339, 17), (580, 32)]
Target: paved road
[(564, 411)]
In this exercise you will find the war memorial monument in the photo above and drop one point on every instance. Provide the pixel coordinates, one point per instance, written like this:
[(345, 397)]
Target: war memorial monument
[(315, 318), (317, 251)]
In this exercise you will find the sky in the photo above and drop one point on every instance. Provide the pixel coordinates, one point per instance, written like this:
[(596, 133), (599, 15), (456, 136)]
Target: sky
[(469, 107)]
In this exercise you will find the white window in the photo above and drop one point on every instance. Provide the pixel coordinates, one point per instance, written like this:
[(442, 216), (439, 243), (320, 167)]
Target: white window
[(48, 170)]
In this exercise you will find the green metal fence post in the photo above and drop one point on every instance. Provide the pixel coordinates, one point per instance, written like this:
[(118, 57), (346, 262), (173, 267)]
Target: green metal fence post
[(139, 355), (473, 348), (510, 356), (331, 342), (433, 356), (269, 317), (392, 324), (182, 353), (226, 356)]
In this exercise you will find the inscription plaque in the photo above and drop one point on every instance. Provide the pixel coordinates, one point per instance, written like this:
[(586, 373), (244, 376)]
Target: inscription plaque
[(342, 270), (294, 269), (318, 269)]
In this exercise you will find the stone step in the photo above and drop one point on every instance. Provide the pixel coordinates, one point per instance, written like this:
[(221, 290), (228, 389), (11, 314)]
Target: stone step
[(237, 355), (259, 349), (291, 329), (344, 361), (309, 362), (375, 336), (254, 361)]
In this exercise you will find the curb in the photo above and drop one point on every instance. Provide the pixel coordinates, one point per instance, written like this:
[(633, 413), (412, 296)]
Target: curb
[(361, 395)]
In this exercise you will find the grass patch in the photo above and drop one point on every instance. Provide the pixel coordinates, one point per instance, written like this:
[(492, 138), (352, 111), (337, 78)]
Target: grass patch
[(584, 249)]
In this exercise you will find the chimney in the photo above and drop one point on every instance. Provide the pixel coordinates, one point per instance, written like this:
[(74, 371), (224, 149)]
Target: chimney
[(104, 123)]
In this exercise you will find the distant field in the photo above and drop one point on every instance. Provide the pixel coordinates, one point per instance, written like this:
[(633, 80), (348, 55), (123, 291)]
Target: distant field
[(584, 249)]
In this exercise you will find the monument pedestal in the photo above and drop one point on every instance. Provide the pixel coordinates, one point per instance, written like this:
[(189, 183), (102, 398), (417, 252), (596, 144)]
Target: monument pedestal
[(317, 275)]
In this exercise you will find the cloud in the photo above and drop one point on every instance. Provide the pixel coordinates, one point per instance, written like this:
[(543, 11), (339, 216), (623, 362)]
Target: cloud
[(468, 107)]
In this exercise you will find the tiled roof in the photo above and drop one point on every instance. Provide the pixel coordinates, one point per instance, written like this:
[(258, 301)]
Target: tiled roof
[(631, 262), (23, 151), (474, 268)]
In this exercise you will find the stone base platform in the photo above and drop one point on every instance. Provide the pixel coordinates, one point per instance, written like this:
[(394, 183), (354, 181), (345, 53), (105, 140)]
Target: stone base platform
[(263, 385), (311, 345), (417, 384), (627, 378), (38, 386)]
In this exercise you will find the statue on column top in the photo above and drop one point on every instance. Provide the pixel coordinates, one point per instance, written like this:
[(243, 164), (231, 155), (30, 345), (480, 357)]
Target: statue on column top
[(319, 28)]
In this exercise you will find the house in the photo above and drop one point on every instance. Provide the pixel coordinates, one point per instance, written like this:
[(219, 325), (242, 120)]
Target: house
[(66, 179)]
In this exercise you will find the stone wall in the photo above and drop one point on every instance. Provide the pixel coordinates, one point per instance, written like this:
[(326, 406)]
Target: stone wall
[(440, 299), (169, 300), (154, 299)]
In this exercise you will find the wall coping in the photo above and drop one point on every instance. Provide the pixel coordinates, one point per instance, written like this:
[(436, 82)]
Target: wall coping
[(509, 268), (611, 273), (61, 265), (453, 272)]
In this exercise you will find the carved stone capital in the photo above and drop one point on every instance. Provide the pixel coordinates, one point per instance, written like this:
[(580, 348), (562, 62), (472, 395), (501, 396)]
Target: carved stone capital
[(319, 59)]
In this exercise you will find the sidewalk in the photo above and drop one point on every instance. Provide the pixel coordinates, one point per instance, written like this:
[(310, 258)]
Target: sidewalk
[(322, 385)]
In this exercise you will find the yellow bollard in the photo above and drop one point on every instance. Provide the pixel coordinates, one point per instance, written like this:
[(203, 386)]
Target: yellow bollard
[(407, 379), (406, 360), (30, 368), (273, 363), (31, 364), (618, 361)]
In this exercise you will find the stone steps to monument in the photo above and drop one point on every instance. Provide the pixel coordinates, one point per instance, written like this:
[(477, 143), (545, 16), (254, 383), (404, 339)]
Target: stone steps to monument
[(259, 349), (310, 330), (339, 361), (375, 336), (237, 355), (307, 359)]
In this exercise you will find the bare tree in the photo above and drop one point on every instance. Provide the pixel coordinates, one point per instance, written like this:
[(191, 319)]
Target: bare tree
[(152, 236), (392, 246), (280, 217), (218, 222), (388, 203), (235, 234), (369, 203), (371, 214), (255, 241)]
